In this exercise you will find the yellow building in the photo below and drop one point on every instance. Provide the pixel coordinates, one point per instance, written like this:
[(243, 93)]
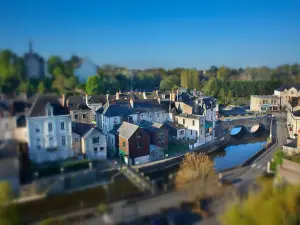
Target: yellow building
[(264, 103)]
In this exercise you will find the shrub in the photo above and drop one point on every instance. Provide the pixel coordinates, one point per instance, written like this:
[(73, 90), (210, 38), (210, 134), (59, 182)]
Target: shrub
[(102, 208)]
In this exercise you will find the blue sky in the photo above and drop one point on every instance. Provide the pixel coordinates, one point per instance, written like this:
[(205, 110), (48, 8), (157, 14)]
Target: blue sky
[(156, 33)]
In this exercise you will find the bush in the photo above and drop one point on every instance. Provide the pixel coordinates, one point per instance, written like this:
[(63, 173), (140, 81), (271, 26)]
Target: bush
[(102, 208)]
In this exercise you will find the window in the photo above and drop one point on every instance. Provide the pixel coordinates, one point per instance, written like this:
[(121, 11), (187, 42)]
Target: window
[(95, 149), (201, 122), (124, 144), (139, 145), (181, 132), (115, 120), (37, 130), (157, 114), (76, 116), (96, 140), (63, 141), (138, 134), (38, 143), (62, 125), (49, 112), (76, 139), (292, 92), (50, 128), (183, 121), (141, 116), (160, 140), (84, 116), (101, 149), (193, 122), (196, 133), (201, 132), (51, 141), (191, 132)]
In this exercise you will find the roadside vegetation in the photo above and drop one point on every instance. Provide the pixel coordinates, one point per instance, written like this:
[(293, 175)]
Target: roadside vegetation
[(271, 205)]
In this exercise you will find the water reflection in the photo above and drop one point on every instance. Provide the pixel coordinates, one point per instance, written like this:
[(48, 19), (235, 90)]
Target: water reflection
[(235, 155)]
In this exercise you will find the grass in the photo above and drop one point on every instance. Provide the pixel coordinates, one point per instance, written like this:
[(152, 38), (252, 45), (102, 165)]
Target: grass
[(176, 149)]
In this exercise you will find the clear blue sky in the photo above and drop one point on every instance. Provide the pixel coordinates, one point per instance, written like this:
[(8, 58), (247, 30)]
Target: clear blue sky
[(156, 33)]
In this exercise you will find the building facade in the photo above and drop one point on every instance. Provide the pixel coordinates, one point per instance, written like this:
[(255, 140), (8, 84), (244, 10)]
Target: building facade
[(286, 92), (34, 64), (264, 103), (49, 130)]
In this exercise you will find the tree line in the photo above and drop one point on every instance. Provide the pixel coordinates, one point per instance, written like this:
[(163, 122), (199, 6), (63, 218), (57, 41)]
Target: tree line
[(223, 83)]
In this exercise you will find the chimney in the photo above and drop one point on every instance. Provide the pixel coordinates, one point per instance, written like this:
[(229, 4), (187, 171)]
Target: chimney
[(107, 97), (158, 99), (144, 95), (131, 102), (87, 99), (298, 139), (117, 96), (156, 92), (63, 100)]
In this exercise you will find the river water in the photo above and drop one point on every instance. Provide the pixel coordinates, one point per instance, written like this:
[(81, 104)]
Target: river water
[(236, 152)]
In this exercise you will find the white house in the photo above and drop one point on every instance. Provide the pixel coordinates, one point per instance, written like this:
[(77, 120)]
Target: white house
[(85, 69), (286, 92), (7, 122), (93, 142), (49, 130)]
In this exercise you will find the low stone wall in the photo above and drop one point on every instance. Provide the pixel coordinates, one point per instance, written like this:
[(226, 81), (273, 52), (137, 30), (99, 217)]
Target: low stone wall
[(289, 151)]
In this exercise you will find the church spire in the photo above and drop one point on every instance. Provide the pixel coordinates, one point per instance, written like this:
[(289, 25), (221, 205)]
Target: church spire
[(30, 47)]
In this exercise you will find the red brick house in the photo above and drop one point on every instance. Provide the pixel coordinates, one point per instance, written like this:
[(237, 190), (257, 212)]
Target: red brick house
[(159, 135), (134, 144)]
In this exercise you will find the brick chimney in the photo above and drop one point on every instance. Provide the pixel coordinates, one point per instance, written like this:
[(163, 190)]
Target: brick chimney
[(117, 95), (63, 100), (298, 139)]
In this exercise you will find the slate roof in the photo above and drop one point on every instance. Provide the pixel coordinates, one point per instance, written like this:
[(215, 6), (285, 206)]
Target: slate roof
[(74, 101), (126, 130), (97, 99), (4, 107), (288, 86), (174, 125), (184, 115), (112, 110), (38, 107), (83, 129)]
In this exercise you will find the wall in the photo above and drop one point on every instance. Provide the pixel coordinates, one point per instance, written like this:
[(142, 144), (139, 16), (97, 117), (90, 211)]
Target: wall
[(181, 136), (41, 123), (80, 113), (144, 140), (89, 146), (198, 129), (111, 144), (141, 160), (290, 171), (7, 127), (21, 134), (76, 142)]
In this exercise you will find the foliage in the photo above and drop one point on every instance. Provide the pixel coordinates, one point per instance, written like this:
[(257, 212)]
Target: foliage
[(277, 159), (102, 208), (190, 79), (94, 85), (8, 212), (54, 221), (271, 205), (196, 173)]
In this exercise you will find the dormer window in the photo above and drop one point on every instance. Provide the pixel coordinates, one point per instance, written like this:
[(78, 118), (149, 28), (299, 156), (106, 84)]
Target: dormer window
[(49, 110)]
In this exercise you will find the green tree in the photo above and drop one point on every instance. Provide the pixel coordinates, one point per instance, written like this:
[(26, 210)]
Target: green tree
[(41, 88), (165, 85), (59, 84), (184, 78), (222, 95), (229, 96), (94, 85), (271, 205), (223, 73), (8, 212)]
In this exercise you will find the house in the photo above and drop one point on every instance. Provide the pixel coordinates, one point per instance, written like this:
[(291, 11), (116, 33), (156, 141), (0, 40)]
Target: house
[(49, 130), (113, 141), (34, 64), (95, 102), (286, 92), (79, 111), (134, 144), (7, 122), (9, 165), (264, 103), (195, 127), (92, 141), (85, 69), (132, 110), (176, 130), (158, 133)]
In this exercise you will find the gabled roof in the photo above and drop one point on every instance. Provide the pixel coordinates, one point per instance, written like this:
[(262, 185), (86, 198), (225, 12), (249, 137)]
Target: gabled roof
[(174, 125), (38, 107), (126, 130), (84, 130), (112, 110), (289, 86), (74, 101)]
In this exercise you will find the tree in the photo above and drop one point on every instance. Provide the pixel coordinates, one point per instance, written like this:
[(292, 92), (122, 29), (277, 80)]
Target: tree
[(222, 95), (59, 84), (165, 85), (223, 73), (94, 85), (8, 212), (196, 173), (229, 96), (271, 205), (184, 78), (41, 88)]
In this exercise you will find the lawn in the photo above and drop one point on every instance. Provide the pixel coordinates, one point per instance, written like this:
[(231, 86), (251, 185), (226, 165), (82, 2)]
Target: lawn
[(176, 149)]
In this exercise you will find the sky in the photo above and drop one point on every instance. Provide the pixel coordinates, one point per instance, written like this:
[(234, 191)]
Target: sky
[(156, 33)]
